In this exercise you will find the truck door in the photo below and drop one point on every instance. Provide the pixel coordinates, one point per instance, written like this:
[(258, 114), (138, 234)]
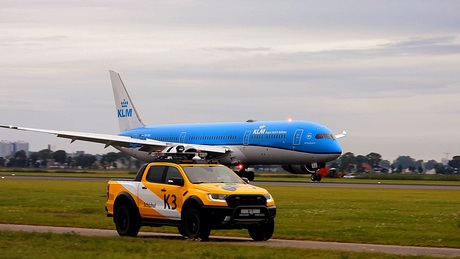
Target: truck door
[(158, 199), (172, 195), (149, 198)]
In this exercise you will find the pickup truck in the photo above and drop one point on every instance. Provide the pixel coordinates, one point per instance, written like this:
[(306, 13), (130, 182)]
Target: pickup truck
[(192, 196)]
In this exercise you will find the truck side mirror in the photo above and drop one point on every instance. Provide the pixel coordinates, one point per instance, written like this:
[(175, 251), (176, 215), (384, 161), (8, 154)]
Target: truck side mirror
[(176, 181)]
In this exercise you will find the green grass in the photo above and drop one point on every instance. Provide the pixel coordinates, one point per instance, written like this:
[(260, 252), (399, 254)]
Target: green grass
[(260, 176), (69, 173), (47, 245), (367, 178), (54, 202), (384, 216)]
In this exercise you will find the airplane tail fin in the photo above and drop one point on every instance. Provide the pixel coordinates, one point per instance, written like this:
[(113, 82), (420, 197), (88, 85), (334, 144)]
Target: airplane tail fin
[(128, 118)]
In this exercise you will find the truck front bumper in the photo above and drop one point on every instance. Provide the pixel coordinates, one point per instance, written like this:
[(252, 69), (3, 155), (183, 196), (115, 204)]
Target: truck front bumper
[(239, 217)]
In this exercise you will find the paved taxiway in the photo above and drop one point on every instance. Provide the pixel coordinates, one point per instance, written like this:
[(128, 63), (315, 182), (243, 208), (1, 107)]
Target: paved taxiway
[(382, 185), (389, 249), (362, 185)]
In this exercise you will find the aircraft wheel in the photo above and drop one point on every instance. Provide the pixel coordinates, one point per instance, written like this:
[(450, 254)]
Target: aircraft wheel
[(313, 177), (250, 175), (318, 177)]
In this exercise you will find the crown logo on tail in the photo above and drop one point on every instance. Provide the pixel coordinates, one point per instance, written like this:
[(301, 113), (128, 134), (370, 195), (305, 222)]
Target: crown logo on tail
[(124, 103)]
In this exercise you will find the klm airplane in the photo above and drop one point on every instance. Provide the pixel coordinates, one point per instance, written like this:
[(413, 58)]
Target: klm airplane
[(301, 147)]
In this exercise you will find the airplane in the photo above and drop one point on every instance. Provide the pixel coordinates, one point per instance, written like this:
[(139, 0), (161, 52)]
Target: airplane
[(300, 147)]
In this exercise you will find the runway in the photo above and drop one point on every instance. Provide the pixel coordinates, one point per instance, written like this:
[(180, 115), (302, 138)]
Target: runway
[(353, 247), (381, 185), (361, 185)]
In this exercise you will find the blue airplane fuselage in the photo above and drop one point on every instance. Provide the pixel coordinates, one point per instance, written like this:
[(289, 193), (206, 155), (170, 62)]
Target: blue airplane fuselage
[(251, 138)]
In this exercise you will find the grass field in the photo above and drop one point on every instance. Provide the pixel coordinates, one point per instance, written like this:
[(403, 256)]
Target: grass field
[(384, 216), (47, 245), (285, 177)]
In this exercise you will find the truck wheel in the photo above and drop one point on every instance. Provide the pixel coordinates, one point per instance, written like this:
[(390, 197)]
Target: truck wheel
[(194, 225), (127, 221), (182, 231), (262, 232)]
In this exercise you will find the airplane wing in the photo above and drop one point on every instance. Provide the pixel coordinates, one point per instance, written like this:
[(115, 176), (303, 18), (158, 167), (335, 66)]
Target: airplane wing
[(116, 140)]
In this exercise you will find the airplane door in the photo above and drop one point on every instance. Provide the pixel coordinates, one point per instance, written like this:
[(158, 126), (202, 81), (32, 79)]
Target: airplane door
[(182, 137), (247, 134), (297, 137)]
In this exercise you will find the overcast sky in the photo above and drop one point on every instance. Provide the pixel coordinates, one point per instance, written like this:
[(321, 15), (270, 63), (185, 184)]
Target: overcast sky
[(387, 72)]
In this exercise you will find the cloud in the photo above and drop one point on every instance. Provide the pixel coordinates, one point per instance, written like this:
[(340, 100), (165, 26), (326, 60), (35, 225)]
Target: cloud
[(367, 67)]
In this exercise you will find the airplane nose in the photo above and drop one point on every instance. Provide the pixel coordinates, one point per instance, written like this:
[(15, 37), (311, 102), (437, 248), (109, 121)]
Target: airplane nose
[(336, 151), (334, 156)]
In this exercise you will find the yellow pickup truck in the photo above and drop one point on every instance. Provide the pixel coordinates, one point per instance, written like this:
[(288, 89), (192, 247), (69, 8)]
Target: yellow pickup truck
[(193, 196)]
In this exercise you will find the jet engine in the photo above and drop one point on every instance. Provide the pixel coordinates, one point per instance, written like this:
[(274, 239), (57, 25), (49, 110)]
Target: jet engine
[(179, 149), (303, 169), (306, 169)]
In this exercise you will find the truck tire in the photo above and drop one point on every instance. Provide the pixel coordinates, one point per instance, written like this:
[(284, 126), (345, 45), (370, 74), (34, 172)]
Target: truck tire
[(194, 225), (182, 231), (127, 221), (262, 232)]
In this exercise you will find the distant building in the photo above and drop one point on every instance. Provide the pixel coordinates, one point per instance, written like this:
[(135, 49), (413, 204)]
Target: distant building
[(78, 153), (21, 145), (8, 148), (444, 161)]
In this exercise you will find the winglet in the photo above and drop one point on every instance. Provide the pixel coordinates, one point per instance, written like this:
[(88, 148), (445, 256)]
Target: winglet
[(341, 135), (128, 117)]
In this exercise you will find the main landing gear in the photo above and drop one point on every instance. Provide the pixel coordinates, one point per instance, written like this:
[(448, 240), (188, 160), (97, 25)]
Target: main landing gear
[(240, 170), (246, 174), (316, 177)]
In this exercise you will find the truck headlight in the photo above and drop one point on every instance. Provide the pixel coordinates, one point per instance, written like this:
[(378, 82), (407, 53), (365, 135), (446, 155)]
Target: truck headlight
[(217, 197), (268, 197)]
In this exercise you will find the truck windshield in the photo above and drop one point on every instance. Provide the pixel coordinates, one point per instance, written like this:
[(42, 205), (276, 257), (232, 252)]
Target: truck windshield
[(211, 174)]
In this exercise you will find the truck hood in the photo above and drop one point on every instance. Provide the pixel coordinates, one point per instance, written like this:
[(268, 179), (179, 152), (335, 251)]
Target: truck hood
[(230, 188)]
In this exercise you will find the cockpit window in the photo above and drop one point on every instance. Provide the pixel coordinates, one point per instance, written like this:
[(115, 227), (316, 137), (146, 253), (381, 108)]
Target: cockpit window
[(321, 136)]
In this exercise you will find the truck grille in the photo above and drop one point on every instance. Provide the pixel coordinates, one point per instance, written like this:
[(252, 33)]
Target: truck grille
[(242, 200)]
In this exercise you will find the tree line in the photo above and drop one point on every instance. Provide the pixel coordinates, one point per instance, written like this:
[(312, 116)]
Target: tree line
[(373, 162), (61, 159), (347, 163)]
